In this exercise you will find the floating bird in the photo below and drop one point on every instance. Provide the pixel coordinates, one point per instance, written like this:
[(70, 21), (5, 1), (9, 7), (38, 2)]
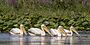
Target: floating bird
[(72, 29), (58, 32), (37, 31), (17, 31)]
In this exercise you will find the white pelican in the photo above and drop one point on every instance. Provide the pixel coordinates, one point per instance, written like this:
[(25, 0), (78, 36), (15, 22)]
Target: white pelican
[(17, 31), (66, 32), (72, 29), (58, 32), (37, 31)]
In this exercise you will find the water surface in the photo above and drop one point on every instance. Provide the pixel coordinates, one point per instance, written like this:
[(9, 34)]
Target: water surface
[(7, 39)]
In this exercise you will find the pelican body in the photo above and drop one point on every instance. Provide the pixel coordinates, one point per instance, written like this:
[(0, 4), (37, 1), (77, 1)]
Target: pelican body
[(36, 31), (55, 32)]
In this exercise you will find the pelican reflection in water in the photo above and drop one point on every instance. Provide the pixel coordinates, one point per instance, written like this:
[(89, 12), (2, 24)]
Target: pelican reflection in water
[(71, 40), (17, 40), (41, 40), (58, 40), (36, 40)]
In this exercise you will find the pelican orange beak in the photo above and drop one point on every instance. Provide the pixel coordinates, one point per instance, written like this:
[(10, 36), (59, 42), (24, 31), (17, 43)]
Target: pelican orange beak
[(46, 29), (74, 30)]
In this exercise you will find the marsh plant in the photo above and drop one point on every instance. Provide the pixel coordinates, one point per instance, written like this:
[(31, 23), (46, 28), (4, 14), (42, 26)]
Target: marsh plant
[(33, 13)]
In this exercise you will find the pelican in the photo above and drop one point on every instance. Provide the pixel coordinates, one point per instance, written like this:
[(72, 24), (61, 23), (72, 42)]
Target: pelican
[(72, 29), (58, 32), (66, 32), (37, 31), (17, 31)]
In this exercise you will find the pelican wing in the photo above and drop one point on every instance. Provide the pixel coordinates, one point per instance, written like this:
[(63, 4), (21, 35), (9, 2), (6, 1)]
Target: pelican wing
[(67, 31), (15, 30), (58, 32), (35, 30), (63, 32), (53, 31)]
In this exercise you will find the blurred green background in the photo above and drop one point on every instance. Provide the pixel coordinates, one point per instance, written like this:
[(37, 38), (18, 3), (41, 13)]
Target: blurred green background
[(33, 13)]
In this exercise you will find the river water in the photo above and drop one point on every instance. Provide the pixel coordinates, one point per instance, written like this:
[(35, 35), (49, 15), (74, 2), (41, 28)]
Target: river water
[(7, 39)]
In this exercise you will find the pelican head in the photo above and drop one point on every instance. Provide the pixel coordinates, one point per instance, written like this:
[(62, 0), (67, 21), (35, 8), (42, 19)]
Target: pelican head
[(44, 28), (74, 30), (61, 27), (43, 25), (62, 30)]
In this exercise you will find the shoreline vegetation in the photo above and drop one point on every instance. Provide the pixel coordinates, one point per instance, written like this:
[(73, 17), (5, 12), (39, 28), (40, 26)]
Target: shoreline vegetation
[(33, 13)]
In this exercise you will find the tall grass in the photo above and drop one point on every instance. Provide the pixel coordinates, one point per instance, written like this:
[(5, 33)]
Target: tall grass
[(33, 13)]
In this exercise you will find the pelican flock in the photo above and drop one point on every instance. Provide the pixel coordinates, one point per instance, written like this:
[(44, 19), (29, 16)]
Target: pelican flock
[(60, 31), (65, 32)]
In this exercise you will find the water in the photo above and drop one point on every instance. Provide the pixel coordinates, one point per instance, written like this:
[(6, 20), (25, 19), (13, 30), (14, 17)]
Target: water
[(7, 39)]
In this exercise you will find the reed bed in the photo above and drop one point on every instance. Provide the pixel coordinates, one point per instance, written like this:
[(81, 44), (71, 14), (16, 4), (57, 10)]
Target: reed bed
[(33, 13)]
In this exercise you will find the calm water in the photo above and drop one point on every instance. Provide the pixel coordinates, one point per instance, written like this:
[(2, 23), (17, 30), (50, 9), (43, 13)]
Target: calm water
[(7, 39)]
